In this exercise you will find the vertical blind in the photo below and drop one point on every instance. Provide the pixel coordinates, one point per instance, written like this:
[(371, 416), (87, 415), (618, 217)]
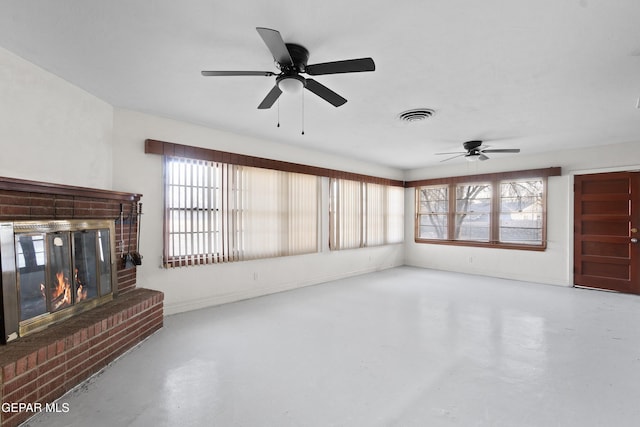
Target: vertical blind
[(365, 214), (216, 212), (279, 213), (395, 214)]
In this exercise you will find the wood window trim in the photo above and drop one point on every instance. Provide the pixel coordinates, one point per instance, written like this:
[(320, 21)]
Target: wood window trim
[(494, 179), (497, 176), (152, 146)]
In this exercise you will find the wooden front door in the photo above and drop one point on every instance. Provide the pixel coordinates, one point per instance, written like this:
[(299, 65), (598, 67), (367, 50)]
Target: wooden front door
[(606, 221)]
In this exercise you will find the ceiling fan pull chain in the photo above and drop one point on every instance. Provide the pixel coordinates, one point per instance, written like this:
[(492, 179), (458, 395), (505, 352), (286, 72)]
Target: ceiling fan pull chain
[(302, 112), (278, 113)]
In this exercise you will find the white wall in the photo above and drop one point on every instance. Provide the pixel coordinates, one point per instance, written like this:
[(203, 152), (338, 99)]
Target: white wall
[(194, 287), (63, 131), (553, 266)]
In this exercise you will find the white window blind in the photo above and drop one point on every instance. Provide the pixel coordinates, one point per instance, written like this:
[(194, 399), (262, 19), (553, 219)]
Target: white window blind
[(216, 212), (365, 214), (395, 214), (345, 214), (375, 196), (279, 213)]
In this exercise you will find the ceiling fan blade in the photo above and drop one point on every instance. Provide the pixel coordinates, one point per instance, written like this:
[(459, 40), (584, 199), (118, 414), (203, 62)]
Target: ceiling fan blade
[(237, 73), (325, 93), (271, 97), (454, 157), (276, 45), (336, 67), (482, 157), (502, 150), (453, 152)]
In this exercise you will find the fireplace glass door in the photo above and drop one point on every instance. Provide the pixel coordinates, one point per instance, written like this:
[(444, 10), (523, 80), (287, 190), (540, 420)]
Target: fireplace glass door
[(104, 261), (61, 295), (61, 269), (30, 257)]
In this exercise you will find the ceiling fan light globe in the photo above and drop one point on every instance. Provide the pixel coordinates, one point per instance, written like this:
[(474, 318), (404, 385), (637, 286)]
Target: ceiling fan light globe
[(471, 157), (290, 85)]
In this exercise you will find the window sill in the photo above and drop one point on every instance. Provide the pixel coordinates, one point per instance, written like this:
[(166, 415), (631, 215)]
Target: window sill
[(496, 245)]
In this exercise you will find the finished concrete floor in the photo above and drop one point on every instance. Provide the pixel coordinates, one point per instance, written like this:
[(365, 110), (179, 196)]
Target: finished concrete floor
[(401, 347)]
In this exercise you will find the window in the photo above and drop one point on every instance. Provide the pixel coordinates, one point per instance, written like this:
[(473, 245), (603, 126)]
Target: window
[(433, 212), (496, 210), (473, 212), (521, 211), (365, 214), (218, 212)]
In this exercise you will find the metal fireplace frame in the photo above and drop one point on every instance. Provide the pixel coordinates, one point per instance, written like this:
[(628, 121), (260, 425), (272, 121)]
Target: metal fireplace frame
[(12, 326)]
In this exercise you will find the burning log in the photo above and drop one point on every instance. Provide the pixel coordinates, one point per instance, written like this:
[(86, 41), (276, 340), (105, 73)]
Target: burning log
[(61, 293)]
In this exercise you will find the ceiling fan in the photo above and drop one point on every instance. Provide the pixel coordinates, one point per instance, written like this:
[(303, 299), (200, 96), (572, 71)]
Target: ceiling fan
[(291, 60), (474, 152)]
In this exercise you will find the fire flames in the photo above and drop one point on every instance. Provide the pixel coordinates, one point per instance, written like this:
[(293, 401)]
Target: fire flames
[(61, 292)]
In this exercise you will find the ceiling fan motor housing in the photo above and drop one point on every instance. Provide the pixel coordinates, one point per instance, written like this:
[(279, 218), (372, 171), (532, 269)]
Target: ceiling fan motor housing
[(472, 145), (299, 57)]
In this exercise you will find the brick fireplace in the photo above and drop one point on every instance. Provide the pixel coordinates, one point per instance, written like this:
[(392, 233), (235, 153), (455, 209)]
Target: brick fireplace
[(79, 307)]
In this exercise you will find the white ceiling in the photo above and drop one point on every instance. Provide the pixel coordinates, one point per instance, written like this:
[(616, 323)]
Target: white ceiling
[(537, 75)]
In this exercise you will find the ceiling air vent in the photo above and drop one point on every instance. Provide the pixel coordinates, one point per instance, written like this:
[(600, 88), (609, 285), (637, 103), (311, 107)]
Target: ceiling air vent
[(416, 115)]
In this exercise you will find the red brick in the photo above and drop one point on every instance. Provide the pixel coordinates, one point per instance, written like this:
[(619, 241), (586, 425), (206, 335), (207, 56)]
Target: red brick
[(14, 199), (32, 360), (8, 372), (81, 204), (62, 202), (51, 392), (82, 213), (42, 355), (21, 366), (50, 372), (60, 346), (18, 211), (42, 211), (20, 386)]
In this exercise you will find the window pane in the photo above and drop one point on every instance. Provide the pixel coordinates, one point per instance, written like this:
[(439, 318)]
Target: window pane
[(432, 227), (434, 199), (473, 227), (521, 211), (473, 212), (60, 274), (433, 207), (104, 244), (85, 274)]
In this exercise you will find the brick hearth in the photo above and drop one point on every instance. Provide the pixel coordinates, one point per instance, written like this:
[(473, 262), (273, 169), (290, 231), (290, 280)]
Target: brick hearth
[(43, 366)]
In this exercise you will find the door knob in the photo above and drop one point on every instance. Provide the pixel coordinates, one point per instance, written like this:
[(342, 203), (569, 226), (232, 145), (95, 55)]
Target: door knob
[(634, 240)]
